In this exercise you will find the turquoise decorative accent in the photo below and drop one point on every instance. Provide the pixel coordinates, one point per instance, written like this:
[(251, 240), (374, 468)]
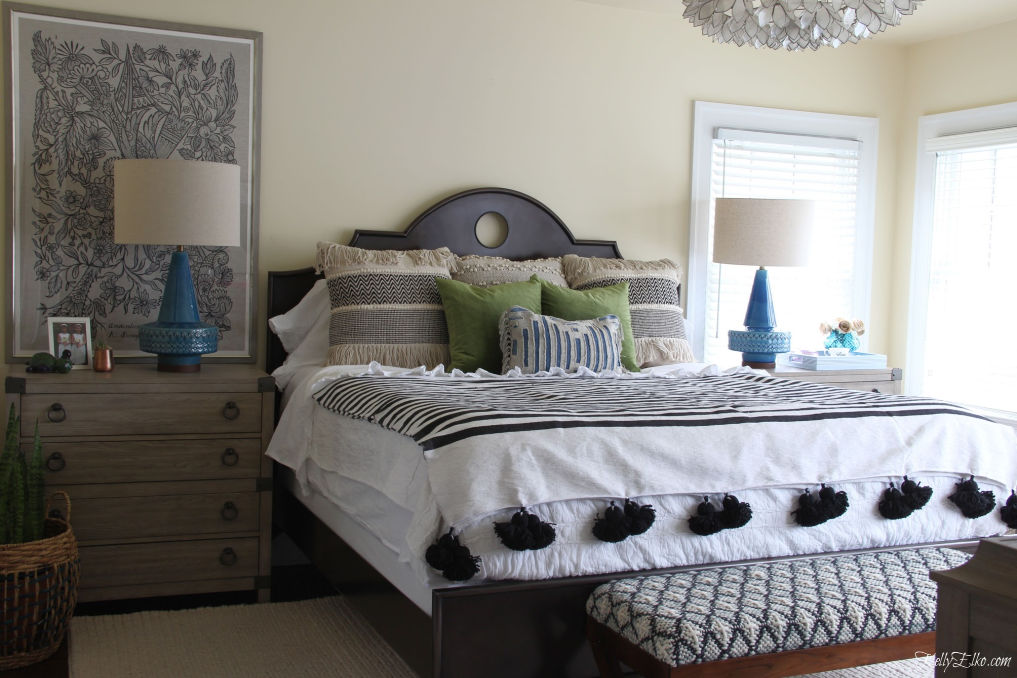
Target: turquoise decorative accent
[(838, 339), (759, 344), (179, 338)]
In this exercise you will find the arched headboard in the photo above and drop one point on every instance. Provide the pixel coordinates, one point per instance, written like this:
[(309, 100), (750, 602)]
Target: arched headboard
[(534, 231)]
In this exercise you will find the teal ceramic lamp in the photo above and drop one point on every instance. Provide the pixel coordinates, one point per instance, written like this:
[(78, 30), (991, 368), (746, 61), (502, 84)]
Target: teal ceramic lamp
[(761, 232), (177, 202)]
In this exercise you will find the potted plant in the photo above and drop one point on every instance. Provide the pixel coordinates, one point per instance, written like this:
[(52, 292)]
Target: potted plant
[(102, 357), (38, 557)]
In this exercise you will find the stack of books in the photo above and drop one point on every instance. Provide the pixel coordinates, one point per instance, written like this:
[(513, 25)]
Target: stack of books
[(826, 360)]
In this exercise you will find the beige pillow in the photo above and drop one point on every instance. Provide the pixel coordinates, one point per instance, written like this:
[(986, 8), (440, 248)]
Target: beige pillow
[(658, 325), (486, 271), (385, 305)]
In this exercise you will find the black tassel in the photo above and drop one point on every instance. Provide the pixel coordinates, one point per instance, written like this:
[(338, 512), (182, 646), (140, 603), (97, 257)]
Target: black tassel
[(706, 521), (834, 503), (525, 532), (971, 500), (452, 558), (735, 513), (638, 517), (810, 511), (611, 527), (894, 505), (1009, 511), (915, 495)]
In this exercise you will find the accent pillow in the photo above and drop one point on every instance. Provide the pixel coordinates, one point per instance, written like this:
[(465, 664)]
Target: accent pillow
[(472, 314), (658, 326), (567, 304), (484, 271), (385, 305), (536, 343)]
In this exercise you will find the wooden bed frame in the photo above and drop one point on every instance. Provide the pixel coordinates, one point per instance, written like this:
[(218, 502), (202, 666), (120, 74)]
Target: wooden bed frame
[(503, 629)]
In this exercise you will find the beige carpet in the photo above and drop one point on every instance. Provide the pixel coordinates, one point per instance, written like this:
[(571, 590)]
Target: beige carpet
[(320, 638), (313, 639)]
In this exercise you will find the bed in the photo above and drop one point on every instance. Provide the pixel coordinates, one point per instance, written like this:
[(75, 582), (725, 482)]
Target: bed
[(523, 614)]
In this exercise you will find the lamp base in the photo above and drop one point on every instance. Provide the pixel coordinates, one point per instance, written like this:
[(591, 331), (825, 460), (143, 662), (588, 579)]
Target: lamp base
[(759, 348), (178, 346)]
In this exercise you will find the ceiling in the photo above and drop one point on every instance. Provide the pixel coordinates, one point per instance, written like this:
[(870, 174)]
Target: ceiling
[(932, 19)]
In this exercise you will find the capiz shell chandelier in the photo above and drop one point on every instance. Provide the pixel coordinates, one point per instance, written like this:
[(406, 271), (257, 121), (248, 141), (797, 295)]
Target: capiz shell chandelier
[(795, 24)]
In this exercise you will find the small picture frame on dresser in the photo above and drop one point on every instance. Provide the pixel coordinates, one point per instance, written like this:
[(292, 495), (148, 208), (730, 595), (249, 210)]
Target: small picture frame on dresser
[(71, 334)]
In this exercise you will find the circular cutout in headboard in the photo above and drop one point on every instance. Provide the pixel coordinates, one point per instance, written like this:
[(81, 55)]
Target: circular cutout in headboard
[(491, 230)]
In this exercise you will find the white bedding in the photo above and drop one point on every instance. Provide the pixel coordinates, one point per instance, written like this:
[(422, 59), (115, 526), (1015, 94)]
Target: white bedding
[(329, 449)]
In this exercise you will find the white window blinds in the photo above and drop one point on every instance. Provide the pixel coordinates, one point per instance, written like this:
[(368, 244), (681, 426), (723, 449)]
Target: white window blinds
[(748, 164), (972, 271)]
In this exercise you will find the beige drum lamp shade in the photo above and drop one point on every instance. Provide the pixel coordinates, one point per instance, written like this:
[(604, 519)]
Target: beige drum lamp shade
[(762, 231)]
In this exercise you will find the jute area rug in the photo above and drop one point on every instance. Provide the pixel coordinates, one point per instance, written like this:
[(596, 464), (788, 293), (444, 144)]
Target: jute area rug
[(318, 638)]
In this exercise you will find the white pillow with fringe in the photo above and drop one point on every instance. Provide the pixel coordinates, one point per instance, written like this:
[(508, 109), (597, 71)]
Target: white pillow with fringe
[(385, 305)]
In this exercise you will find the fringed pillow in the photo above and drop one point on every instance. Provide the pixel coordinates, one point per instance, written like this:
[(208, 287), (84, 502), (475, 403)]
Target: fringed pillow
[(486, 271), (658, 326), (385, 305)]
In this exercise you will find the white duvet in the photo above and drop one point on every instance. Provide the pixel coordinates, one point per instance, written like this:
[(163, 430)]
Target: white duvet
[(454, 487)]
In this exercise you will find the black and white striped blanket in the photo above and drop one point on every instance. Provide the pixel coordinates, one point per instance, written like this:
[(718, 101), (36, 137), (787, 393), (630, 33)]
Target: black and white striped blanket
[(435, 412)]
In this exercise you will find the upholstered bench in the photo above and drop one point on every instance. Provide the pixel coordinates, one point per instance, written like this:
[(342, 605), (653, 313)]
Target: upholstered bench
[(779, 618)]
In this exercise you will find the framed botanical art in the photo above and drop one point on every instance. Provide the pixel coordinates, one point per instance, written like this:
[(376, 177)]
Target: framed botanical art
[(84, 90)]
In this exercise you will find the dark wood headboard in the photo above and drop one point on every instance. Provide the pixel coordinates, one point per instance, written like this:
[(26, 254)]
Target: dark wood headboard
[(534, 231)]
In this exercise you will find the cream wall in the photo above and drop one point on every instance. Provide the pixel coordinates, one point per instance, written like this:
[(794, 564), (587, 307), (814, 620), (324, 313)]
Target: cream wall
[(965, 71), (374, 110)]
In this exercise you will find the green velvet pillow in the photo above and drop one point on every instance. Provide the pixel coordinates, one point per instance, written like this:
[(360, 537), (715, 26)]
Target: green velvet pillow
[(472, 314), (569, 304)]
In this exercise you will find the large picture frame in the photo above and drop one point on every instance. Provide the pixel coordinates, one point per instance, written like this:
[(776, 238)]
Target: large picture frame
[(84, 89)]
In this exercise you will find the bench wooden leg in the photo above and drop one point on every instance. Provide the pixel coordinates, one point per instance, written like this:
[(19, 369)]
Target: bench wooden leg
[(601, 642)]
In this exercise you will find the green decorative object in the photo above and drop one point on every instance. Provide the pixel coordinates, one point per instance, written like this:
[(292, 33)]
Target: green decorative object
[(472, 314), (46, 362), (567, 304), (22, 505)]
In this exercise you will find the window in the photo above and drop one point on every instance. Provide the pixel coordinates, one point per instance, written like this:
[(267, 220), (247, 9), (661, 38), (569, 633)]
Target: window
[(747, 152), (964, 258)]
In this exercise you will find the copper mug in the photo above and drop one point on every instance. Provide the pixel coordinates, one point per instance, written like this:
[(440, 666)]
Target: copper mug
[(102, 360)]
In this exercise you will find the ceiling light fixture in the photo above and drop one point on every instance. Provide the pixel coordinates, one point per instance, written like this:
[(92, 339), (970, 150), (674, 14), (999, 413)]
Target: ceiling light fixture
[(795, 24)]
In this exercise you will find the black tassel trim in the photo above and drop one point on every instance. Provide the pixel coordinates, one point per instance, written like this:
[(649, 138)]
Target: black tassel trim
[(1009, 511), (971, 500), (525, 532), (915, 494), (611, 528), (707, 520), (735, 513), (810, 511), (894, 505), (638, 517), (452, 558), (834, 503)]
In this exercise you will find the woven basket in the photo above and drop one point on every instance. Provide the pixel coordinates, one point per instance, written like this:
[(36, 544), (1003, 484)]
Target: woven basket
[(38, 592)]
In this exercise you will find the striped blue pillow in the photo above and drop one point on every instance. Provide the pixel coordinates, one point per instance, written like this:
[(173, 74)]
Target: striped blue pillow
[(536, 343)]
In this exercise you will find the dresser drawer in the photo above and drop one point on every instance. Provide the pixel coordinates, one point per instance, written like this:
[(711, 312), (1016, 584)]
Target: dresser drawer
[(112, 518), (173, 561), (74, 462), (98, 414)]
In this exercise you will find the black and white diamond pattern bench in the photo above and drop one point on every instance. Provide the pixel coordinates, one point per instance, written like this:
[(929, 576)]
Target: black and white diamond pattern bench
[(772, 619)]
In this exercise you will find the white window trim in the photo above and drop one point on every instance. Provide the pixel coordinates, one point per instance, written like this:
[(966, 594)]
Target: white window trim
[(708, 118), (943, 131)]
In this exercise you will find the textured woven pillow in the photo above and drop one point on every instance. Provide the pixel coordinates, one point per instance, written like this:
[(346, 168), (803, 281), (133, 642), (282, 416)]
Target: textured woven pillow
[(385, 305), (536, 343), (658, 326), (485, 271)]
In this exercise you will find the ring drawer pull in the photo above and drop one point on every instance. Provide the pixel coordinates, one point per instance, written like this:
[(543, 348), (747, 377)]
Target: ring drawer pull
[(229, 511), (230, 411), (56, 462), (228, 557), (230, 457), (56, 413)]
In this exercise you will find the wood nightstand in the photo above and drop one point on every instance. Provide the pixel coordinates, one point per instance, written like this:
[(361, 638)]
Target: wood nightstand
[(883, 380), (171, 492)]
